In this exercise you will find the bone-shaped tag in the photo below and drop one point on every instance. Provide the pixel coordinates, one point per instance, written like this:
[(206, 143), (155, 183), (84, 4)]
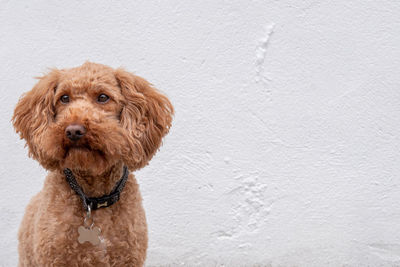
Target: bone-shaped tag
[(91, 235)]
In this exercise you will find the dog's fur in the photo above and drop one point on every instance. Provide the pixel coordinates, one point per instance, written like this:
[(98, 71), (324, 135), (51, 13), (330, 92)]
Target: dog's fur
[(127, 130)]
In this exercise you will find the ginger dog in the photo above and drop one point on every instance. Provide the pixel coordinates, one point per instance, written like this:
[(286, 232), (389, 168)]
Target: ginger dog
[(93, 120)]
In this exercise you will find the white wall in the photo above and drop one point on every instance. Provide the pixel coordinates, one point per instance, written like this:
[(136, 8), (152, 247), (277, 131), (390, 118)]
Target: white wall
[(285, 148)]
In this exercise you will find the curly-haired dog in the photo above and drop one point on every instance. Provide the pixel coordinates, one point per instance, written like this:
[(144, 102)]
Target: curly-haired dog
[(93, 123)]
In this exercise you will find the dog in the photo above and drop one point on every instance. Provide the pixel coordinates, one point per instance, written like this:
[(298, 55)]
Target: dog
[(89, 126)]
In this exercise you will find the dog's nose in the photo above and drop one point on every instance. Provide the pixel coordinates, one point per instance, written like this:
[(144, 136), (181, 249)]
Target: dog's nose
[(75, 132)]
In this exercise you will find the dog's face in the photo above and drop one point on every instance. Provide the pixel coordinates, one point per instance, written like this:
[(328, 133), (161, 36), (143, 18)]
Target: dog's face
[(92, 117)]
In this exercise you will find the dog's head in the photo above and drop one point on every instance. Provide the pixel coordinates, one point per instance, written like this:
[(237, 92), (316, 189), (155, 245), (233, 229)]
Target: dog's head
[(92, 117)]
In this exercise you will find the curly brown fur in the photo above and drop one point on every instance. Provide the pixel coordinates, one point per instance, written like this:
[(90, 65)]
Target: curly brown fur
[(126, 130)]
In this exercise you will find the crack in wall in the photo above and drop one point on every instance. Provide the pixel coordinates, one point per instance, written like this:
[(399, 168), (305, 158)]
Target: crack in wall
[(261, 52)]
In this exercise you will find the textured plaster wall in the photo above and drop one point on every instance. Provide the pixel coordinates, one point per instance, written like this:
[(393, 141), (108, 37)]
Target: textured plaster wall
[(285, 146)]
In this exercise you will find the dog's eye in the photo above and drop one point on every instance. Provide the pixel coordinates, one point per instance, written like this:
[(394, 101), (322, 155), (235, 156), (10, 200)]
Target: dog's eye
[(64, 99), (102, 98)]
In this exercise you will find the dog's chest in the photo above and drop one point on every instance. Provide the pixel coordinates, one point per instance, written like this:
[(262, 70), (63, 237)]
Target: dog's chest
[(49, 231), (59, 236)]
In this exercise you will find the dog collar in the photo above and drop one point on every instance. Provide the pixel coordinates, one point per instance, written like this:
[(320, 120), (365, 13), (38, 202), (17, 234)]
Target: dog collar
[(97, 202)]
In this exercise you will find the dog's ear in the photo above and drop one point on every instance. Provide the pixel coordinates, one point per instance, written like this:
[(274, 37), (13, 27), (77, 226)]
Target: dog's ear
[(35, 109), (147, 114)]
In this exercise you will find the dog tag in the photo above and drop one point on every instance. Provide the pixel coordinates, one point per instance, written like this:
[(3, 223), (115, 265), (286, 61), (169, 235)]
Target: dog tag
[(91, 235)]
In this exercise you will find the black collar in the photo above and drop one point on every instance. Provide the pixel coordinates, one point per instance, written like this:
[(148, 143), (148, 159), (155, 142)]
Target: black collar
[(97, 202)]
